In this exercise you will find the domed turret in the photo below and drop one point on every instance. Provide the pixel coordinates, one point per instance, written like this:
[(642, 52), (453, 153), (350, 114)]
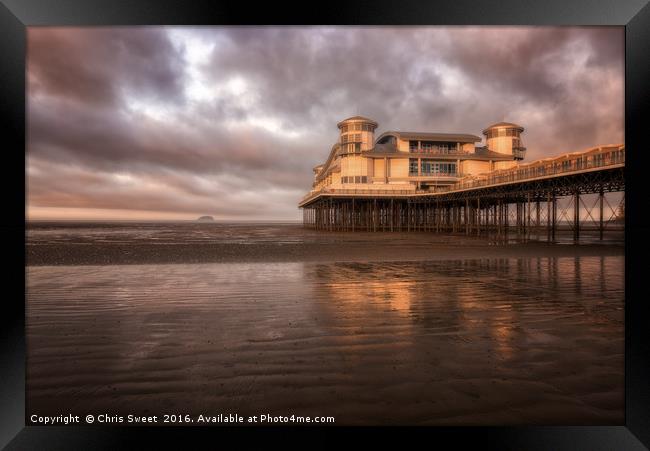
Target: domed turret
[(505, 138), (357, 134)]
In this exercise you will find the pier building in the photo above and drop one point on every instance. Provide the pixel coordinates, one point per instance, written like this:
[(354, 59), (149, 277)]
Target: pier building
[(414, 160)]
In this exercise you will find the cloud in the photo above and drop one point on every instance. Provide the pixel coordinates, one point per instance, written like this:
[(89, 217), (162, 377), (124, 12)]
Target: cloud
[(101, 66), (229, 121)]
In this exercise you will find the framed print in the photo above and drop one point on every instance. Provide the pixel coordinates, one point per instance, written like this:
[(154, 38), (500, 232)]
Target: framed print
[(416, 220)]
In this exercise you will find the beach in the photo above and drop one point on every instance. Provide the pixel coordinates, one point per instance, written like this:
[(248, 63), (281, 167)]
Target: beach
[(144, 243), (370, 328)]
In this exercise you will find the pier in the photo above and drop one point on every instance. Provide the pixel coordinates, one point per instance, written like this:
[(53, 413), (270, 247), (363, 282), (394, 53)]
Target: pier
[(568, 192)]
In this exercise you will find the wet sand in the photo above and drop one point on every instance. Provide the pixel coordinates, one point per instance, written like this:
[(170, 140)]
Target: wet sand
[(98, 244), (527, 333)]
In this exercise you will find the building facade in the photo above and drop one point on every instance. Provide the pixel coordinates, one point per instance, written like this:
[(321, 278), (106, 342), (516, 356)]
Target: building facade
[(413, 160)]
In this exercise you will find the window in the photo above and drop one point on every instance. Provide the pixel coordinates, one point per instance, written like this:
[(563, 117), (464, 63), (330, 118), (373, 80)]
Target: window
[(413, 166), (357, 127), (355, 179), (344, 138), (357, 147), (344, 129), (430, 167), (433, 147)]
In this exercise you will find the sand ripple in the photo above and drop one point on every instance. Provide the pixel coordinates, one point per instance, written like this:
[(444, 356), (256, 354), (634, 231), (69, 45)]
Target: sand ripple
[(480, 341)]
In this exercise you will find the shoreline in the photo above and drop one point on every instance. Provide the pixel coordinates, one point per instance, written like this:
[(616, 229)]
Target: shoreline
[(142, 253), (81, 244)]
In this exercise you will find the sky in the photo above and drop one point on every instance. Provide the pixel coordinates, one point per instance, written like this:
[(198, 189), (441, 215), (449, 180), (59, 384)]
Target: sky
[(172, 123)]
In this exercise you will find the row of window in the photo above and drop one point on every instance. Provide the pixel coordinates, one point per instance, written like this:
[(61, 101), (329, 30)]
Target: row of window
[(351, 148), (429, 167), (356, 127), (355, 179), (351, 138), (433, 148), (413, 144), (494, 133)]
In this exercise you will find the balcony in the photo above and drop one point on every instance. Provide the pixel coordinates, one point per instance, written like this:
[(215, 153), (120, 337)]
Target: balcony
[(433, 174), (438, 151), (519, 153)]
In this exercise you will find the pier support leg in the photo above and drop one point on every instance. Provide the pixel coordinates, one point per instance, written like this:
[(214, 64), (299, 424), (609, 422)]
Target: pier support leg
[(548, 216), (444, 224), (408, 216), (576, 216), (500, 223), (537, 217), (600, 224), (374, 216), (527, 224), (554, 219), (466, 216), (478, 216)]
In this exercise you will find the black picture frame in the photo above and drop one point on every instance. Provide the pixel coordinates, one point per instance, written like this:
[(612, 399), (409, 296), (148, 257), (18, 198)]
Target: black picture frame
[(16, 15)]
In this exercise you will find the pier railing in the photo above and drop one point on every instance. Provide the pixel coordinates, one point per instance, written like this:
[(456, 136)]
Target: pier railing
[(435, 151), (565, 164)]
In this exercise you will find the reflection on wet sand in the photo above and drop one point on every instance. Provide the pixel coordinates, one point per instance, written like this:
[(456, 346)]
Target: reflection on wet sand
[(491, 341)]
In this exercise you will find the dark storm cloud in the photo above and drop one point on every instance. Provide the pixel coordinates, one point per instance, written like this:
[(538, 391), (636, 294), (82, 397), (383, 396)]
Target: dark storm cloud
[(132, 118), (497, 63), (100, 66), (554, 81), (403, 77), (316, 76), (106, 140)]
